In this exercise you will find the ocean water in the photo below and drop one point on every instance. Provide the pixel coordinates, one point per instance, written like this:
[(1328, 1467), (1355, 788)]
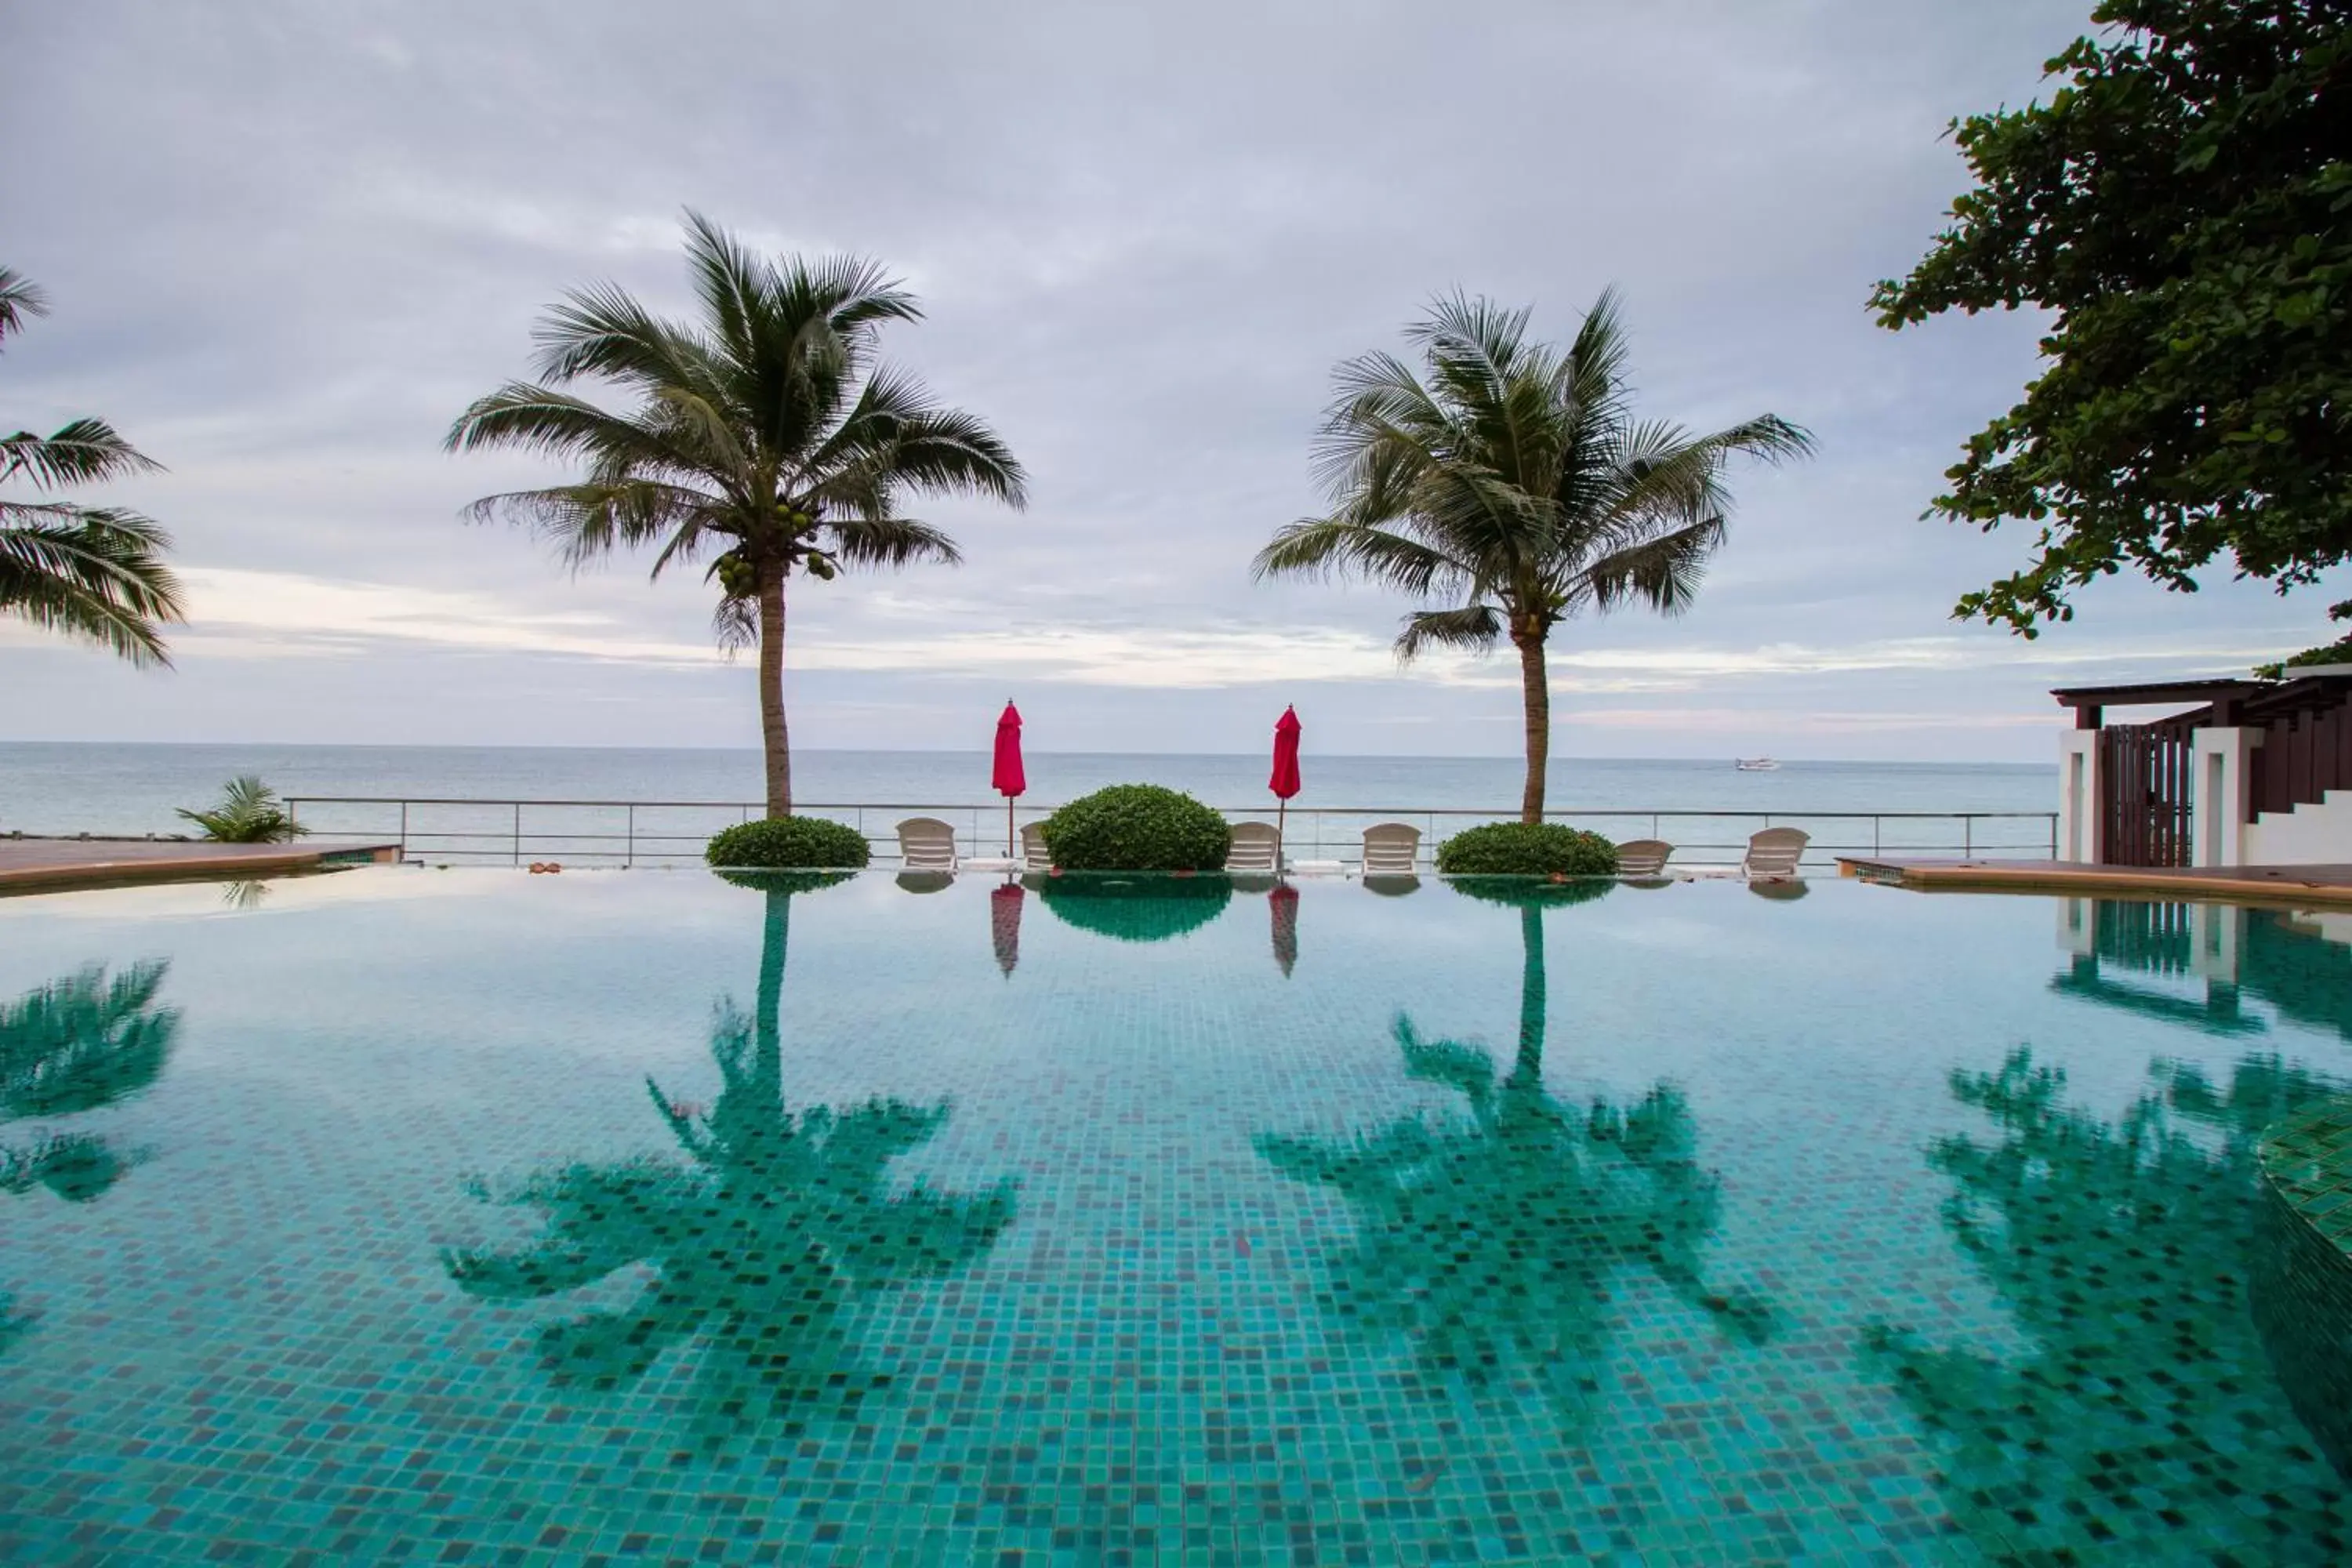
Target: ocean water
[(133, 789)]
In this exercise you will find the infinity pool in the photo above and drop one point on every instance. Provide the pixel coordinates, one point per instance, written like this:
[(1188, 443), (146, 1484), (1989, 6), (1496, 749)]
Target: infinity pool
[(481, 1218)]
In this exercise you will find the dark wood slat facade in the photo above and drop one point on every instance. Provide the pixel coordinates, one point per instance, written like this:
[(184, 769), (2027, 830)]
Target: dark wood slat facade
[(2144, 789), (2303, 756)]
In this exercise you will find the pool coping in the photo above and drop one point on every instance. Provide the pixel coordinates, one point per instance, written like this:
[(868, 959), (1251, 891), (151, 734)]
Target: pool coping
[(2298, 886), (58, 865)]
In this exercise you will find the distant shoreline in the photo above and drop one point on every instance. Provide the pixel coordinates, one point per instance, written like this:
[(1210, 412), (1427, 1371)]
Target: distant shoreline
[(1558, 758)]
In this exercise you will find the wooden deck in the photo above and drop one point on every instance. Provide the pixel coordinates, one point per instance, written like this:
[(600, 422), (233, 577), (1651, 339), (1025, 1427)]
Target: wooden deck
[(2302, 886), (47, 865)]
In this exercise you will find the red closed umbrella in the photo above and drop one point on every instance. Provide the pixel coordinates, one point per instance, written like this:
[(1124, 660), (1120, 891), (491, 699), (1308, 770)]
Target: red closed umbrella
[(1008, 779), (1285, 783)]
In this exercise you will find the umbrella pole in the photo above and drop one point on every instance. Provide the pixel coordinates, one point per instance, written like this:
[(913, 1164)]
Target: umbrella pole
[(1008, 827), (1281, 820)]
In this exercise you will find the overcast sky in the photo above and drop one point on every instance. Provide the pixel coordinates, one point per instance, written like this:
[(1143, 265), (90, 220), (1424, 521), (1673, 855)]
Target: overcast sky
[(284, 245)]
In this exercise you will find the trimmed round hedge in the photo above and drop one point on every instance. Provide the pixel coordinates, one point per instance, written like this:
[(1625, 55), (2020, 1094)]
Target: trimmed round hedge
[(1526, 850), (1137, 827), (788, 842)]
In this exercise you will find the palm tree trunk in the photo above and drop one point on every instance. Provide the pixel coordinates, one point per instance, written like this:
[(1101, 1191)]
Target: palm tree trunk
[(1536, 693), (773, 735), (1529, 1067)]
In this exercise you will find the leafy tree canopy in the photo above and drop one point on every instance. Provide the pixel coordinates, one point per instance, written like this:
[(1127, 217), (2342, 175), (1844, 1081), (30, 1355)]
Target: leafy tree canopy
[(2183, 205)]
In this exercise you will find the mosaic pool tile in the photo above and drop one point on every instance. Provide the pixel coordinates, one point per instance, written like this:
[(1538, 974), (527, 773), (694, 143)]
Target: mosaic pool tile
[(413, 1218)]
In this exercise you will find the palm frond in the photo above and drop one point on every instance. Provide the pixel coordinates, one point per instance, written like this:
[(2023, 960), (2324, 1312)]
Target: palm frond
[(1329, 546), (558, 425), (604, 331), (1663, 572), (92, 572), (19, 300), (83, 452), (889, 542), (1382, 426), (249, 813), (587, 522), (1474, 626), (735, 623), (898, 429)]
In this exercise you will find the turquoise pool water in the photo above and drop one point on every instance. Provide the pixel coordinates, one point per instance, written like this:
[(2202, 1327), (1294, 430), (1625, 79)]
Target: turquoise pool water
[(479, 1217)]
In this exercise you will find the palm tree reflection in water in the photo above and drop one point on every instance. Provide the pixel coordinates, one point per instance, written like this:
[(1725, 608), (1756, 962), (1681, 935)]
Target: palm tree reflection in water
[(72, 1046), (2124, 1249), (762, 1243), (1492, 1242)]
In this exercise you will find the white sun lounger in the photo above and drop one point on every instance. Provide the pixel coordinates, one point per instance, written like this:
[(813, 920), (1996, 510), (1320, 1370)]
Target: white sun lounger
[(1254, 848), (1774, 852), (1034, 855), (1642, 857), (1390, 849), (927, 844)]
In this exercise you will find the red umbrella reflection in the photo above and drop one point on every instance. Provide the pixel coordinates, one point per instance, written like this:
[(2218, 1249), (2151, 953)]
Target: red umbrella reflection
[(1008, 779), (1284, 903), (1004, 925)]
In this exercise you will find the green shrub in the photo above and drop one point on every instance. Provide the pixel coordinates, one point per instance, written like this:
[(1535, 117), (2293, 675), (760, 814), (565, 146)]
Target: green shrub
[(249, 813), (1137, 827), (1526, 850), (788, 842)]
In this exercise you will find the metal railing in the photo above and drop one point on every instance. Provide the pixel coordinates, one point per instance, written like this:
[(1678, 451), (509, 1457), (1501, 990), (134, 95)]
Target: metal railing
[(464, 830)]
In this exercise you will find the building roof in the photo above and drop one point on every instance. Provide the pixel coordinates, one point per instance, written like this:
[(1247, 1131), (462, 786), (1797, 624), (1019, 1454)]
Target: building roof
[(2314, 686), (2152, 691)]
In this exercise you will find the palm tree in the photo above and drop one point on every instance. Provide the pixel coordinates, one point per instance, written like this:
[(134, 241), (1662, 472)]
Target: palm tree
[(767, 431), (1515, 478), (91, 572)]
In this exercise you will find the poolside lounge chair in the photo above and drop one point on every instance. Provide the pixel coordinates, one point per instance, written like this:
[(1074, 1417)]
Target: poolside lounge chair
[(927, 844), (1643, 856), (1774, 852), (1390, 849), (1034, 855), (1254, 847)]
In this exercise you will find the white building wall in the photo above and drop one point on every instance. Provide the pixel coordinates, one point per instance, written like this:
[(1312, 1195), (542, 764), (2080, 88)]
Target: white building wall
[(2078, 794), (2218, 763), (2310, 835)]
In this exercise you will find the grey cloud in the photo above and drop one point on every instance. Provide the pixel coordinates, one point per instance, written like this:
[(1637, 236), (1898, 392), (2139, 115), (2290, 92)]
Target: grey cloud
[(291, 242)]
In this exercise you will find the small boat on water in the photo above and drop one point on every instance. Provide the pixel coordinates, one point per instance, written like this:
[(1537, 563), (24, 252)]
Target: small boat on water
[(1754, 764)]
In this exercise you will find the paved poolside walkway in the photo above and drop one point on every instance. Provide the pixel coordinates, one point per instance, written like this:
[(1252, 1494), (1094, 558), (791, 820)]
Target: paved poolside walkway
[(47, 864), (2274, 884)]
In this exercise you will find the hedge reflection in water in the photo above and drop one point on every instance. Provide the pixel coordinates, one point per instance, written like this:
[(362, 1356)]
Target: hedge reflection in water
[(763, 1240), (2147, 1424), (73, 1046), (1491, 1241)]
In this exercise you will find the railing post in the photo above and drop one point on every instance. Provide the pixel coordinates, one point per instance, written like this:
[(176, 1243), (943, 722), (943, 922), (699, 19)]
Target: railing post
[(517, 833), (629, 853), (403, 830), (1968, 836)]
